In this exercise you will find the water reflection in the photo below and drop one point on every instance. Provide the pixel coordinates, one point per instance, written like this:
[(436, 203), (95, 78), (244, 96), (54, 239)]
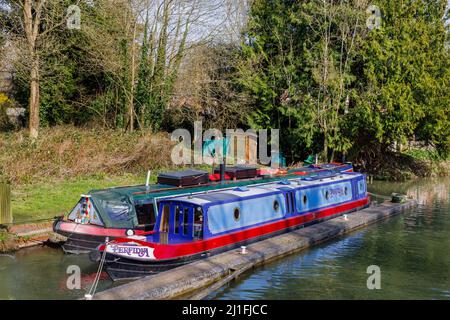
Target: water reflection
[(41, 273)]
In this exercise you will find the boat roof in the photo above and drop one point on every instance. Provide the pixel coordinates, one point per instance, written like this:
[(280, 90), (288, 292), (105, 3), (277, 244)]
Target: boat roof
[(131, 196), (143, 194), (239, 193)]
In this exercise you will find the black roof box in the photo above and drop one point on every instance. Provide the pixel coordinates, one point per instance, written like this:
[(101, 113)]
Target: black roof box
[(184, 178), (240, 172)]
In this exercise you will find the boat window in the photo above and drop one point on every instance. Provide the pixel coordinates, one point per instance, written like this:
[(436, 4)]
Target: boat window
[(117, 210), (327, 195), (276, 205), (305, 199), (345, 190), (177, 220), (145, 214), (185, 221), (237, 214), (198, 222)]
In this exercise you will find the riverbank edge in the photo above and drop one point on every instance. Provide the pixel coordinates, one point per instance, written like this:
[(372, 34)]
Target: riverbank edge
[(14, 238)]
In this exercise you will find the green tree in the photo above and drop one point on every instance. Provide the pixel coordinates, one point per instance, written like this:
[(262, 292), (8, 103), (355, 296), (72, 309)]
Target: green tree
[(405, 88), (316, 71), (298, 60)]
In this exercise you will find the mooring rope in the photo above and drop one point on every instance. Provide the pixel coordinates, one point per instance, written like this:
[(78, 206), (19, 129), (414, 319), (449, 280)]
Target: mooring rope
[(91, 292)]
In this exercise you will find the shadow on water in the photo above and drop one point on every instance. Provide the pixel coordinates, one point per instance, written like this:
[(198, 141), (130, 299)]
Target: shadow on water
[(411, 251), (41, 273)]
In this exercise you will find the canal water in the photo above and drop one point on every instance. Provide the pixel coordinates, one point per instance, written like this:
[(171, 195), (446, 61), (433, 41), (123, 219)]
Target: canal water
[(412, 252)]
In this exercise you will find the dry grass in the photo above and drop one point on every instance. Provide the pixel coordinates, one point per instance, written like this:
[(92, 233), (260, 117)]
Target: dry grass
[(67, 152)]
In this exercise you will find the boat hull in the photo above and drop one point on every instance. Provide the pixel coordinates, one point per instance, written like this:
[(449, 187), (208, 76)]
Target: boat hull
[(85, 238), (120, 268)]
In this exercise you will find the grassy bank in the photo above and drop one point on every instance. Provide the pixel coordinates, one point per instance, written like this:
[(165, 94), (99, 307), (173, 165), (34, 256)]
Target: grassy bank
[(48, 199), (49, 174), (67, 152)]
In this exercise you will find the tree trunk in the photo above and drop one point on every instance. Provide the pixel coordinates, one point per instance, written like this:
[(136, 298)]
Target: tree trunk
[(34, 99), (31, 21), (133, 62), (325, 143)]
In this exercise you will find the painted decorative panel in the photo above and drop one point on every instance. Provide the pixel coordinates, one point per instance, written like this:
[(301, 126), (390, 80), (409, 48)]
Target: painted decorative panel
[(221, 218), (323, 196)]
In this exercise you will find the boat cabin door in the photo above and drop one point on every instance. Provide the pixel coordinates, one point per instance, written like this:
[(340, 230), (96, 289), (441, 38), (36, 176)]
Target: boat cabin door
[(186, 221), (181, 221)]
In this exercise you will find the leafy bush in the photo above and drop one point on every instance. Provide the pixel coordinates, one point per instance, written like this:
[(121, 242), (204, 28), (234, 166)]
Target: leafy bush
[(5, 103)]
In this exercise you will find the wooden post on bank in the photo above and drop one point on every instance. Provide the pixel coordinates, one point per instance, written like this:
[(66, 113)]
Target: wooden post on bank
[(5, 204)]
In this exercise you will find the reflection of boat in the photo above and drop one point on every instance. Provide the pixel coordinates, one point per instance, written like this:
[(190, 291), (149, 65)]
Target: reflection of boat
[(116, 212), (189, 227)]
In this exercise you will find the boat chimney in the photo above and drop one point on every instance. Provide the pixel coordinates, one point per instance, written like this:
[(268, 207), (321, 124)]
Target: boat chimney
[(224, 161), (147, 183), (222, 172)]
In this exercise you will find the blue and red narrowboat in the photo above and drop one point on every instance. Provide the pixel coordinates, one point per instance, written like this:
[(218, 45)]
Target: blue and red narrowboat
[(121, 211), (192, 226)]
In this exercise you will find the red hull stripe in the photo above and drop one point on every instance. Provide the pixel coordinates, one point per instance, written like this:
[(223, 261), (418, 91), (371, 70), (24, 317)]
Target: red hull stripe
[(167, 251), (91, 230)]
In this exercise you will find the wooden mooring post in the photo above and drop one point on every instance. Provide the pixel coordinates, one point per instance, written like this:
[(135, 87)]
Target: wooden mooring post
[(5, 204)]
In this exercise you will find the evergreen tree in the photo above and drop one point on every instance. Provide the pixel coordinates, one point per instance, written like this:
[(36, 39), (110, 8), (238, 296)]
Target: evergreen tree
[(405, 86), (317, 72), (298, 58)]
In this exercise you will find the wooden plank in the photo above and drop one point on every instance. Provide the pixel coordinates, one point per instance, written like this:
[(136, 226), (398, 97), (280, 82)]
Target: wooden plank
[(5, 204)]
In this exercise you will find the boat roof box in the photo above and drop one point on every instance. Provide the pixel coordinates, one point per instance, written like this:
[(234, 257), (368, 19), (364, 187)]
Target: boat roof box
[(183, 178), (240, 172)]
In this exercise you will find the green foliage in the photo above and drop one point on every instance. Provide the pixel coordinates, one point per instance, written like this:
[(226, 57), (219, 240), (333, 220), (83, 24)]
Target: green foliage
[(405, 85), (144, 85), (262, 75), (157, 71), (311, 68), (77, 84), (5, 103), (314, 70), (297, 65)]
